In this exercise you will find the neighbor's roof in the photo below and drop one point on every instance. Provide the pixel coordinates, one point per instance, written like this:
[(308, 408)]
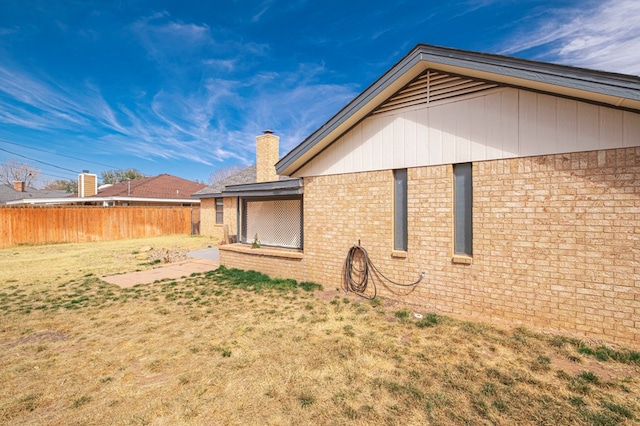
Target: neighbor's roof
[(8, 193), (246, 176), (605, 88), (162, 186)]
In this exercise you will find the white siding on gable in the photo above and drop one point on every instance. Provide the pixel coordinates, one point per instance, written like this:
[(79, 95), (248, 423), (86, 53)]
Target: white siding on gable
[(449, 117), (434, 138), (508, 120), (410, 136), (546, 125), (496, 123), (478, 144), (610, 127), (568, 130), (630, 129), (587, 126), (422, 134), (463, 133)]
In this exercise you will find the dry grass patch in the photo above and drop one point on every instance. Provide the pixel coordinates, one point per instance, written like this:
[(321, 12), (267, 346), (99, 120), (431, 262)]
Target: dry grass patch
[(30, 265), (228, 347)]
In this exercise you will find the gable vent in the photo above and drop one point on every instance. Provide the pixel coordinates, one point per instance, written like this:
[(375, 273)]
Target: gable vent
[(432, 86)]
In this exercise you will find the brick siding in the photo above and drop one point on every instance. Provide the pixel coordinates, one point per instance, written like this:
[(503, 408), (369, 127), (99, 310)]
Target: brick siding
[(277, 263), (208, 225), (556, 240)]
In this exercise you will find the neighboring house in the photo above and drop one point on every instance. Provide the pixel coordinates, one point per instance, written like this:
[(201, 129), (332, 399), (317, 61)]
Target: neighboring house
[(19, 191), (267, 204), (513, 184), (161, 190)]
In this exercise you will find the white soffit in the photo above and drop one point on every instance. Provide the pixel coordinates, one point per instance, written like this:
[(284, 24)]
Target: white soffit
[(539, 86)]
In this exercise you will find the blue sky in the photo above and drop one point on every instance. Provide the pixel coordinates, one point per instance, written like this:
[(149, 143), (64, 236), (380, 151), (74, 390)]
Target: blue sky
[(183, 87)]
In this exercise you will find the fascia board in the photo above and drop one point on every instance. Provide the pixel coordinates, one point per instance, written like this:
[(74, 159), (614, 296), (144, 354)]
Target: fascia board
[(601, 87), (264, 193), (390, 82)]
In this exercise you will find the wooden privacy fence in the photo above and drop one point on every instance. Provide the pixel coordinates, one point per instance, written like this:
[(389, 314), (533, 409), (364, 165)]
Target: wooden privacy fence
[(43, 225)]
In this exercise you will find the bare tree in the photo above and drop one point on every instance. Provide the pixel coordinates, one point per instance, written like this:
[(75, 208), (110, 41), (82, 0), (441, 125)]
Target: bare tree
[(12, 171), (223, 173), (115, 176), (66, 185)]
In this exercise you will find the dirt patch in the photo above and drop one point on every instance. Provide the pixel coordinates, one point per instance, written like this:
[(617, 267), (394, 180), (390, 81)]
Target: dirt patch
[(47, 336), (609, 371), (166, 255)]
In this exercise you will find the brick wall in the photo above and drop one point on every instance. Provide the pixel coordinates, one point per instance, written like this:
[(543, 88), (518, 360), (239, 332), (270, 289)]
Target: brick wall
[(277, 263), (267, 155), (230, 214), (556, 240), (208, 225)]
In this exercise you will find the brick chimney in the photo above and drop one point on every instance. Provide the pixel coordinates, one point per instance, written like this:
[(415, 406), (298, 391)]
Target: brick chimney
[(87, 184), (267, 155), (19, 185)]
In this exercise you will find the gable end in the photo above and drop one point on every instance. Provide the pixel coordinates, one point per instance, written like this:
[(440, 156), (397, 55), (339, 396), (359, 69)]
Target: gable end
[(433, 86)]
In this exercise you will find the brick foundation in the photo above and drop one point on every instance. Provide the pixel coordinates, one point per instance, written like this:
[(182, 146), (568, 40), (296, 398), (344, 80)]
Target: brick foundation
[(277, 263)]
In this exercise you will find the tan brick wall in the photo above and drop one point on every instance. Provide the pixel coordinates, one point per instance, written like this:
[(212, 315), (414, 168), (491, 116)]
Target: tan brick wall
[(272, 262), (267, 155), (208, 225), (556, 240), (230, 215)]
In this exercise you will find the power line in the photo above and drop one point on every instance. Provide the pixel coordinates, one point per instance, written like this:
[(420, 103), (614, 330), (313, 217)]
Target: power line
[(61, 155), (55, 176), (38, 161)]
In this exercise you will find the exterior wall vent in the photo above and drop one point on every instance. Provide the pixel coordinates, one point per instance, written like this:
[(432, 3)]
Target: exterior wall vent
[(432, 86)]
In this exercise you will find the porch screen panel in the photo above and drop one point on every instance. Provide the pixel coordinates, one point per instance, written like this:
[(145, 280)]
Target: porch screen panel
[(276, 222)]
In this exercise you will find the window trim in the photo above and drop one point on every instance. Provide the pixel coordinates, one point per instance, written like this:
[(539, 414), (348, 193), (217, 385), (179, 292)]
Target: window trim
[(219, 209), (463, 214), (400, 221)]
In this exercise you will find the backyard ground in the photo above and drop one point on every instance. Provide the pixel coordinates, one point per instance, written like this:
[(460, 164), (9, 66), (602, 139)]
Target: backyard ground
[(227, 347)]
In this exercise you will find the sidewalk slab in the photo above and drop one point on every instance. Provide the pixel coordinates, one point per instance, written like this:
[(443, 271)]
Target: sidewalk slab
[(173, 271), (211, 253)]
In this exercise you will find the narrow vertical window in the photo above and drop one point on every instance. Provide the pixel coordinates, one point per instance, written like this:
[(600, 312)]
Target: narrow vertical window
[(463, 202), (400, 210), (219, 210)]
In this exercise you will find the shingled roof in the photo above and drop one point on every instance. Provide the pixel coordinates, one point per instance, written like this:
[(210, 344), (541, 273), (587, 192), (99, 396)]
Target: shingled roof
[(599, 87), (162, 186), (8, 193), (246, 176)]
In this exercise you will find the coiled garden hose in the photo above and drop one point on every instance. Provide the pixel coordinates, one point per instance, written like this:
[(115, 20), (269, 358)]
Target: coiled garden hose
[(356, 279)]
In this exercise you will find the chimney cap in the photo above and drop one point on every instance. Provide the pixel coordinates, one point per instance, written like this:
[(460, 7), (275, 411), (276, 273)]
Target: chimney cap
[(267, 132), (85, 171)]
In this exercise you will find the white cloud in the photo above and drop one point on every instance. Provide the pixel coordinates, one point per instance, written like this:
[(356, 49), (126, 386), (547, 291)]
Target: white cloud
[(598, 35), (214, 123), (36, 104), (209, 119)]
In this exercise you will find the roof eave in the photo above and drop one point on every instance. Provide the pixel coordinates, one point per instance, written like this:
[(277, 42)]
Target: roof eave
[(393, 80), (264, 193), (265, 189), (207, 195), (70, 200), (613, 89)]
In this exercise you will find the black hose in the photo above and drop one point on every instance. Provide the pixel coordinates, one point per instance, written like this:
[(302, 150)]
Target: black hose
[(357, 279)]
